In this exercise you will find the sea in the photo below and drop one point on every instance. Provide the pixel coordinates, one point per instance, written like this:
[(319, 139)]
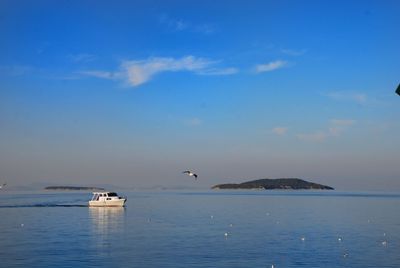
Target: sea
[(210, 228)]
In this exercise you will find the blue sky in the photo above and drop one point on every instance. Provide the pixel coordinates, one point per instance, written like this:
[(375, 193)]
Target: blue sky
[(131, 93)]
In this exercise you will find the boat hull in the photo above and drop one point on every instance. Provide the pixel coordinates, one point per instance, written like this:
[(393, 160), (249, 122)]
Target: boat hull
[(108, 203)]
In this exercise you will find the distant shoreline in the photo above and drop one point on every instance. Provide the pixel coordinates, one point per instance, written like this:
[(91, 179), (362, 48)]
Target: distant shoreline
[(73, 188)]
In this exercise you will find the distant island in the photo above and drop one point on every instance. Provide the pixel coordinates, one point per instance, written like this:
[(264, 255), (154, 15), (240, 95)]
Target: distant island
[(73, 188), (272, 184)]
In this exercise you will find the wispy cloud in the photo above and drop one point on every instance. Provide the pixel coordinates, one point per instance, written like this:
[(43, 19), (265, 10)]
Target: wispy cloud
[(280, 131), (342, 122), (138, 72), (193, 122), (270, 66), (103, 74), (178, 25), (205, 28), (82, 57), (219, 71), (336, 128), (317, 136), (358, 97), (293, 52), (173, 24), (16, 70)]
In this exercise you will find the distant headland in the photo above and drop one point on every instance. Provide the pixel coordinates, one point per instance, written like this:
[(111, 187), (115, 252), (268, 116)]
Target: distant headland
[(73, 188), (272, 184)]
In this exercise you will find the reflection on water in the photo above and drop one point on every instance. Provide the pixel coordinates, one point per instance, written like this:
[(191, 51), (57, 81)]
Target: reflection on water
[(107, 220)]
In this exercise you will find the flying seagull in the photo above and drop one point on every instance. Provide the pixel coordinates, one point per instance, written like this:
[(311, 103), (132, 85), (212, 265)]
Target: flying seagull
[(189, 173), (2, 185), (398, 89)]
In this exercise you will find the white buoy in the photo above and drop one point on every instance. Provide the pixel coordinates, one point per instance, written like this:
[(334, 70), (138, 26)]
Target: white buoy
[(226, 234), (384, 243), (303, 239), (339, 239)]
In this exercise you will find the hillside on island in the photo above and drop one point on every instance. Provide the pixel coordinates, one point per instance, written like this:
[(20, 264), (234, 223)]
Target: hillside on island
[(271, 184)]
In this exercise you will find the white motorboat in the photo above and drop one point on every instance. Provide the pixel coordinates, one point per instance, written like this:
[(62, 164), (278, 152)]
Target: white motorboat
[(107, 199)]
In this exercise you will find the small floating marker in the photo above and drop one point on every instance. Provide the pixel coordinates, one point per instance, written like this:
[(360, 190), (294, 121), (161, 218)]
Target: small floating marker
[(384, 234), (303, 238), (212, 217), (384, 243), (272, 266), (345, 255), (339, 239), (226, 234), (22, 225)]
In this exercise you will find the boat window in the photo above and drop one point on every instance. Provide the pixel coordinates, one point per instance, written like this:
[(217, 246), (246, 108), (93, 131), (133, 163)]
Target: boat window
[(112, 194), (108, 198)]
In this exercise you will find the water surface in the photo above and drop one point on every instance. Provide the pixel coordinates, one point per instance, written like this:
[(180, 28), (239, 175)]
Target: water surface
[(201, 229)]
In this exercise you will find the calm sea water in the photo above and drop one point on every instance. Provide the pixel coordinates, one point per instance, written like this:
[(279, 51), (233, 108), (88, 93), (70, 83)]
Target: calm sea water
[(201, 229)]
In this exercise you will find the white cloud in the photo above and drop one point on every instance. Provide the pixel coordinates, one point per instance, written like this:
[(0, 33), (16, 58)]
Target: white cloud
[(279, 130), (335, 129), (138, 72), (357, 97), (270, 66)]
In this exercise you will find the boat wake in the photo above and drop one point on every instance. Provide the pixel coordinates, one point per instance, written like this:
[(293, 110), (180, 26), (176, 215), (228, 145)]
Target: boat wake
[(43, 206)]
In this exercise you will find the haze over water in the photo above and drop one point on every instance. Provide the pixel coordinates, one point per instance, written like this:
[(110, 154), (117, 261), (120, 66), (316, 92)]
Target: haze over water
[(202, 229)]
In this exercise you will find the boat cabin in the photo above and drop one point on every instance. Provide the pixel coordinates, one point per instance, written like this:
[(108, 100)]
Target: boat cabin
[(101, 196)]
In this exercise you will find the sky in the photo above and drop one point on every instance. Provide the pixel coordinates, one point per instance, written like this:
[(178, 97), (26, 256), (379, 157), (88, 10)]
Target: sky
[(132, 93)]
